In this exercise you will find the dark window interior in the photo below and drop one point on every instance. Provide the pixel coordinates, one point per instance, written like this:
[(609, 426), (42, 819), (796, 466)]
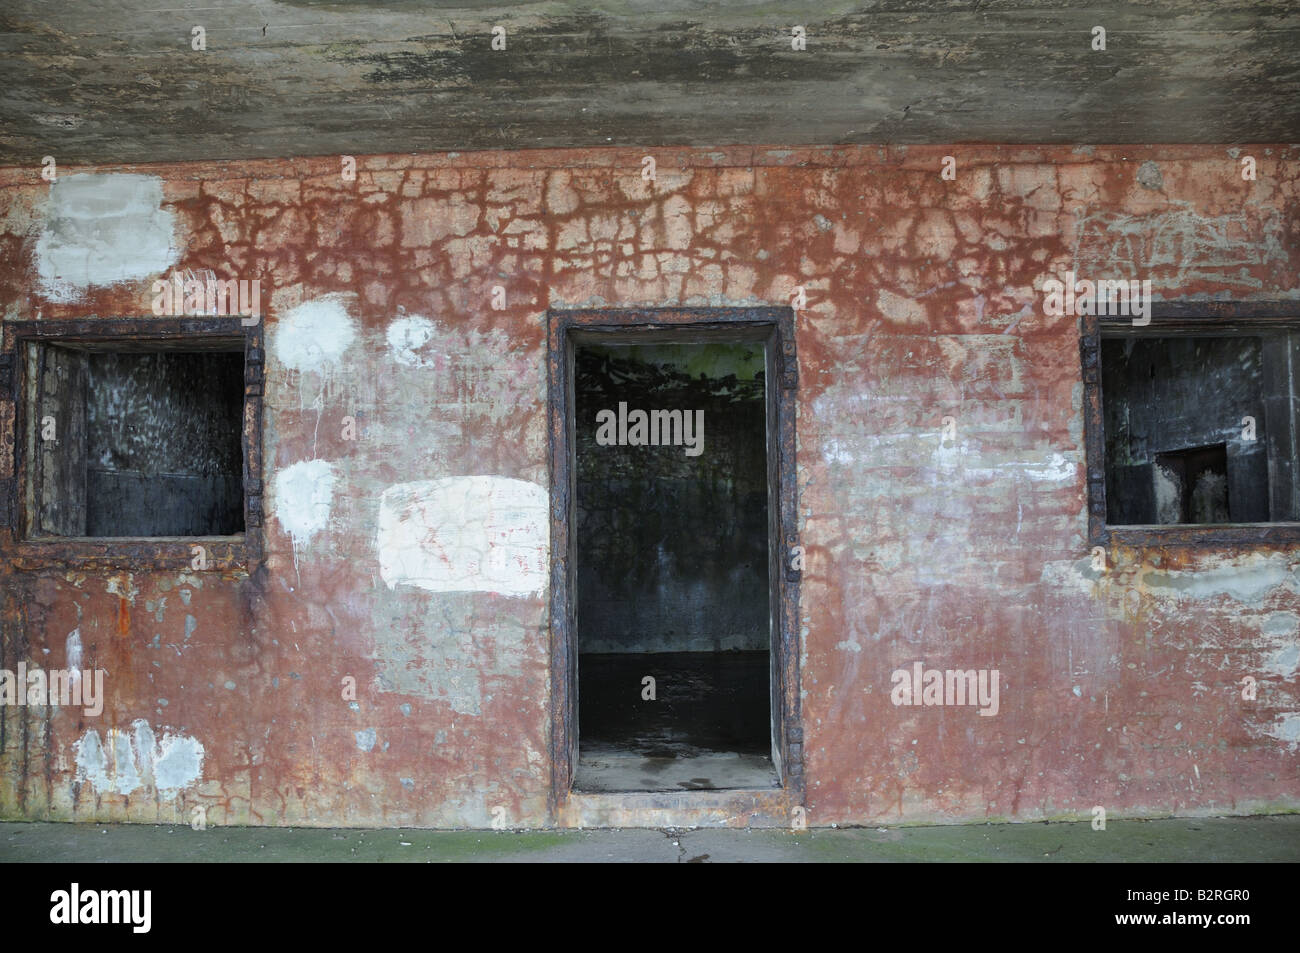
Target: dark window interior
[(672, 573), (1178, 449), (146, 442)]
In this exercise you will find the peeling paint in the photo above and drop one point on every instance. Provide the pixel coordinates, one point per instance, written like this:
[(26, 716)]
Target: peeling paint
[(126, 760)]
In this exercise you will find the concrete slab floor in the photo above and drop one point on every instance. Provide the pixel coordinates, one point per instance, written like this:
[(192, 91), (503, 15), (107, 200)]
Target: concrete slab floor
[(1274, 838), (609, 769)]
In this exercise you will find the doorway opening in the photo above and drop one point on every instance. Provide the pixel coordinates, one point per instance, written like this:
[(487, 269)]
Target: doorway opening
[(672, 446), (673, 630)]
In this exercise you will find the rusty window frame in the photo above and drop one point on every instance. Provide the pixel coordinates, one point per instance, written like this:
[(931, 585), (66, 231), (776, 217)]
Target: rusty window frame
[(25, 551), (775, 327), (1172, 319)]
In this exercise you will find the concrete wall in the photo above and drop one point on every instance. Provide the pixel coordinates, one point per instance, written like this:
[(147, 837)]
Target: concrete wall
[(924, 301)]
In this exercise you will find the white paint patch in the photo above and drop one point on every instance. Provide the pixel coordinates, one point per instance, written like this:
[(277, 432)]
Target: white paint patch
[(102, 230), (315, 334), (407, 339), (1284, 661), (365, 739), (74, 656), (130, 759), (304, 493), (1281, 632), (968, 455), (1072, 576), (948, 456), (835, 451), (1055, 469), (1248, 579), (91, 763), (178, 763), (1286, 729), (144, 748), (1281, 624), (465, 534), (121, 750)]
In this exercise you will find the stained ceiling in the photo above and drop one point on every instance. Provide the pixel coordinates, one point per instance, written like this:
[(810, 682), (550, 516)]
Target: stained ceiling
[(121, 80)]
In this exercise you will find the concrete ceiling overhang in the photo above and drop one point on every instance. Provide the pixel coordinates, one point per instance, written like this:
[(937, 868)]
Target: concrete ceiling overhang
[(119, 80)]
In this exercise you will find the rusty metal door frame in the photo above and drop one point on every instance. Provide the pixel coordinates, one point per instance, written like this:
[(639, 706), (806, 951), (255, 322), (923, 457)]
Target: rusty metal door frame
[(775, 327)]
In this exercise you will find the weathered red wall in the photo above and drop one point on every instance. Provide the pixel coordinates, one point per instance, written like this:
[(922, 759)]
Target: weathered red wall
[(923, 301)]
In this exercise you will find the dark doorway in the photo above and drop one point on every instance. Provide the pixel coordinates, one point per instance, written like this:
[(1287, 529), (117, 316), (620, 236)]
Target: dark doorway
[(701, 612), (672, 621)]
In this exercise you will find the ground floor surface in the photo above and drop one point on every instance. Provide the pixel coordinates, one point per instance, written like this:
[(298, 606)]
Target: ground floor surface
[(1273, 839)]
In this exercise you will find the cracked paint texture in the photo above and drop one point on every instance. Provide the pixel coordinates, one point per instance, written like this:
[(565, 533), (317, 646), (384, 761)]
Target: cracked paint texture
[(924, 301)]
